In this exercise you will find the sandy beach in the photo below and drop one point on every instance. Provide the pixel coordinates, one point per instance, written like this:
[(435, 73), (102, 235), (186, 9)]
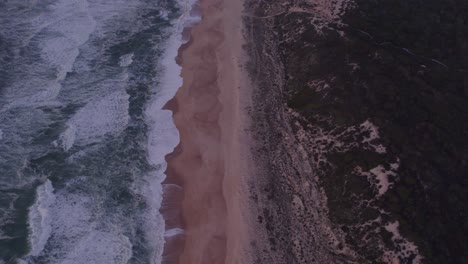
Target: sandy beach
[(207, 162), (268, 175)]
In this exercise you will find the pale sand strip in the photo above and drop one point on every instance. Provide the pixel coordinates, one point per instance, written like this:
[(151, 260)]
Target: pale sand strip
[(207, 163)]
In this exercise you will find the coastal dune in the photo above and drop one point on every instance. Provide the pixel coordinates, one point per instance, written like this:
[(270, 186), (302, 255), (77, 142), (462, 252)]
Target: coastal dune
[(206, 164)]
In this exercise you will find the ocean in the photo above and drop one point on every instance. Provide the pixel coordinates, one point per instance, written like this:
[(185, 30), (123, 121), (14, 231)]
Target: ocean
[(82, 132)]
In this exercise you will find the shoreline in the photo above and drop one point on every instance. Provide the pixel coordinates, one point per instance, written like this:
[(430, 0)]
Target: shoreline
[(206, 163)]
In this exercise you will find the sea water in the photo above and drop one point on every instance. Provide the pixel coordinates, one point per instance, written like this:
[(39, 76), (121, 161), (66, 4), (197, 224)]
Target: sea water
[(82, 132)]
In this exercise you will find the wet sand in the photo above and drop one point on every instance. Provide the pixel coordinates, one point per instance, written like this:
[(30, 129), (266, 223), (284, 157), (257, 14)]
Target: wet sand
[(207, 162)]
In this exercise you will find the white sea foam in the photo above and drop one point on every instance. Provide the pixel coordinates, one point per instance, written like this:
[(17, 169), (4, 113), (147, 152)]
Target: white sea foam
[(126, 60), (163, 136), (173, 232), (67, 138), (71, 27), (99, 117), (40, 218), (164, 14), (72, 220), (99, 247), (59, 33)]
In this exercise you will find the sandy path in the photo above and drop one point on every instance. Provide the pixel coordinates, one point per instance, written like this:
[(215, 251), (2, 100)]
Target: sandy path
[(206, 163)]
